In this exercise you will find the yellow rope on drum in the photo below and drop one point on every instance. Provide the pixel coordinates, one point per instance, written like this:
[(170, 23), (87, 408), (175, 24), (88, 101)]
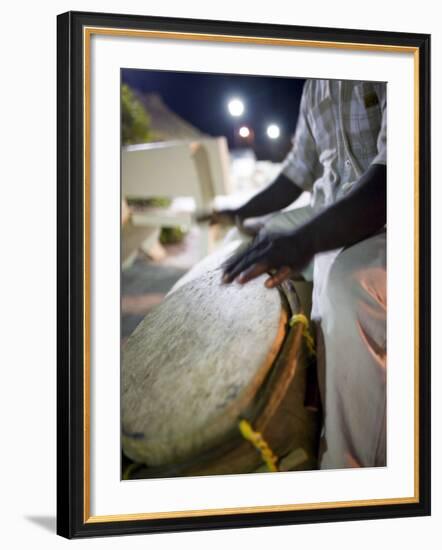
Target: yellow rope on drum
[(256, 439), (309, 342)]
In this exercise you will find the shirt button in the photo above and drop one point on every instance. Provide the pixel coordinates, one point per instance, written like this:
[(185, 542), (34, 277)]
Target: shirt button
[(348, 162)]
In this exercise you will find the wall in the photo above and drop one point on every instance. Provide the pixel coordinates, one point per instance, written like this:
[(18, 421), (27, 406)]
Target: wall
[(27, 289)]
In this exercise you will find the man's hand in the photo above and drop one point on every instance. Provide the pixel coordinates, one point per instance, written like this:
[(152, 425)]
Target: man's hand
[(355, 217), (277, 195), (283, 253), (222, 217), (230, 217)]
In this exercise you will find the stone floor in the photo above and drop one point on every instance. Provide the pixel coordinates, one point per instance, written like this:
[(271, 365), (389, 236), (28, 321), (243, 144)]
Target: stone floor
[(146, 282), (144, 285)]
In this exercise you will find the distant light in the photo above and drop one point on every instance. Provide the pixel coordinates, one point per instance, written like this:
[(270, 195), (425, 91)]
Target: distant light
[(244, 132), (236, 107), (273, 131)]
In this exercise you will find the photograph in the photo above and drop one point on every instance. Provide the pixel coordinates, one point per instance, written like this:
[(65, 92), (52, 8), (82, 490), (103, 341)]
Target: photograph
[(254, 295), (224, 268)]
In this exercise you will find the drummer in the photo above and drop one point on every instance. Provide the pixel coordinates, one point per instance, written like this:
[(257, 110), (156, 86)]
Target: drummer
[(339, 154)]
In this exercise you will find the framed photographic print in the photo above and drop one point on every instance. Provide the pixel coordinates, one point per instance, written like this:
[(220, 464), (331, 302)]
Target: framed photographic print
[(230, 226)]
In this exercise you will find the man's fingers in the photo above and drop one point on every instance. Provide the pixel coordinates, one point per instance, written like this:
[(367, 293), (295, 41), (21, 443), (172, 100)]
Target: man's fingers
[(222, 217), (281, 275), (212, 217), (235, 259), (240, 255), (252, 256), (203, 216), (252, 272)]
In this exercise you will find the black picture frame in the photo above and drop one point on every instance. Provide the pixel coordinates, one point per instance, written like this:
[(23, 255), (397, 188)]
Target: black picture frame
[(72, 515)]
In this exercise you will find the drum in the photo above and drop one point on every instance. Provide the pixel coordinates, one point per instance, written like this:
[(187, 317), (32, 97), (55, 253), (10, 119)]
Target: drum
[(214, 379)]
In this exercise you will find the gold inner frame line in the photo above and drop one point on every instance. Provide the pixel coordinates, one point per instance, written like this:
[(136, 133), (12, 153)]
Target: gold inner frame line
[(87, 33)]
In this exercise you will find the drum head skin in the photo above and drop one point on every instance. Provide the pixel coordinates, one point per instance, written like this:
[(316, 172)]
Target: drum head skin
[(195, 363)]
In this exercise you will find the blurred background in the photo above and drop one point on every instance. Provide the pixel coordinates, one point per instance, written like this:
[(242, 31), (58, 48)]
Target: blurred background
[(191, 142)]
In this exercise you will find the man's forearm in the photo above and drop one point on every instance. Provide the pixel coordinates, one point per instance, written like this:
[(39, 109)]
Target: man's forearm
[(279, 194), (353, 218)]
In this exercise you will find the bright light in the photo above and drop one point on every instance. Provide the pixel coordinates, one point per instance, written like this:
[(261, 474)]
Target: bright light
[(236, 107), (273, 131), (244, 132)]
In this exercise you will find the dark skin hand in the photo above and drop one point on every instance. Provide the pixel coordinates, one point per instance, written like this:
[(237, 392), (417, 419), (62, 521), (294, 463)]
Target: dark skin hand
[(358, 215), (279, 194)]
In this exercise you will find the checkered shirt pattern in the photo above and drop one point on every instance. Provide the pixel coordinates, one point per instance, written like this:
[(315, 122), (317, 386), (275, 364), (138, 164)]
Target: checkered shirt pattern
[(341, 131)]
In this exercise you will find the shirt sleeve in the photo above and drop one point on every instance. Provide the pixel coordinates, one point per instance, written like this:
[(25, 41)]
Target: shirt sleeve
[(301, 164), (381, 157)]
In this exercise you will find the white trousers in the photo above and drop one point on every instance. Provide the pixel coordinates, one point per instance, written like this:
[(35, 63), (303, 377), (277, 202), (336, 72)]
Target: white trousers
[(349, 309), (351, 318)]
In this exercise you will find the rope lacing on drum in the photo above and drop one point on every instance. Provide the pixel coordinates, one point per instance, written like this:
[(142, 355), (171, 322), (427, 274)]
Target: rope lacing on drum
[(308, 338), (257, 440)]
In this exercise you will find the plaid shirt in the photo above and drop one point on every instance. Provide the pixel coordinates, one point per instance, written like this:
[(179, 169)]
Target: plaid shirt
[(341, 131)]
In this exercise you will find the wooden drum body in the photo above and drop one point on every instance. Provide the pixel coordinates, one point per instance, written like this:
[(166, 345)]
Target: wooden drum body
[(209, 356)]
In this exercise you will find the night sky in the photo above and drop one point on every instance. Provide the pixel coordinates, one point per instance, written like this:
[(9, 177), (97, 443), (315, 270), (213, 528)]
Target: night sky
[(201, 99)]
